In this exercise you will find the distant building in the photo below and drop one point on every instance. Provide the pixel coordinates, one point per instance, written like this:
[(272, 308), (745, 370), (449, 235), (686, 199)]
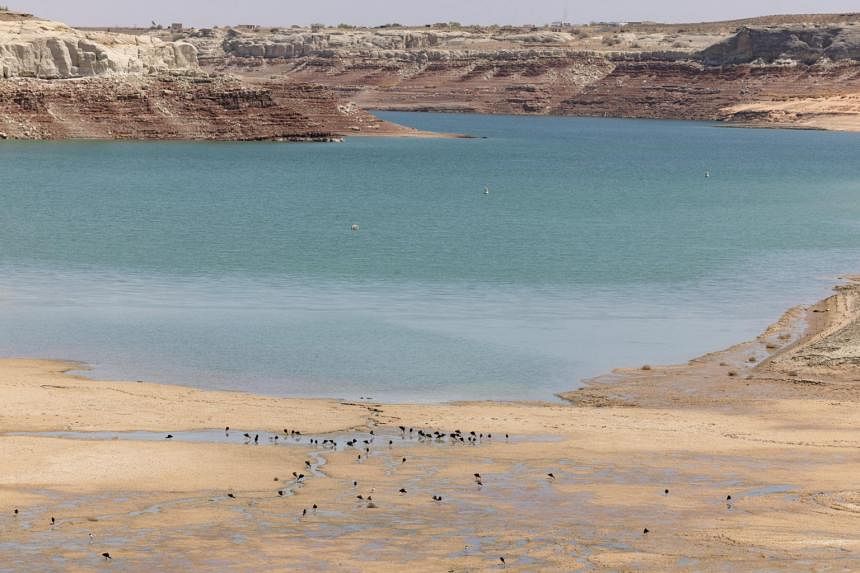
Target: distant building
[(176, 27), (249, 27)]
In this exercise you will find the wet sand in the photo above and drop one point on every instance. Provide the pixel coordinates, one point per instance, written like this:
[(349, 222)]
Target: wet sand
[(774, 423)]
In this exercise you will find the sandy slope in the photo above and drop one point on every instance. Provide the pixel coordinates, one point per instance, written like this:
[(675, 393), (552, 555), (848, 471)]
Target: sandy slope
[(837, 113)]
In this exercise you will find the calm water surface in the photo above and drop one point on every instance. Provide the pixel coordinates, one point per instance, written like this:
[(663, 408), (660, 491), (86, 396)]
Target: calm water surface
[(601, 244)]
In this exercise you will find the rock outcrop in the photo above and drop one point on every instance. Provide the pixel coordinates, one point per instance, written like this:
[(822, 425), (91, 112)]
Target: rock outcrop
[(648, 70), (804, 45), (62, 83), (41, 49), (176, 106), (307, 83)]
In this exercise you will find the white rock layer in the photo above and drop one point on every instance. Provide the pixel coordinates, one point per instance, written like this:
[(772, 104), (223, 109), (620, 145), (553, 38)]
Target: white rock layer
[(51, 50)]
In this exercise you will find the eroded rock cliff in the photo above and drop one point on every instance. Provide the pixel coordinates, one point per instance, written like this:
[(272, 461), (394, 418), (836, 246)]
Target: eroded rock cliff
[(253, 83), (177, 106), (62, 83), (803, 45), (699, 71), (35, 48)]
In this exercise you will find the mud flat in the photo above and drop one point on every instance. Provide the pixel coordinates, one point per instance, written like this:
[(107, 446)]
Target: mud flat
[(773, 423)]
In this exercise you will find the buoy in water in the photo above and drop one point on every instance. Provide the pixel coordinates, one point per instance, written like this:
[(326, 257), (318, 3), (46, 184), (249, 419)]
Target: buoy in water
[(486, 190), (355, 228)]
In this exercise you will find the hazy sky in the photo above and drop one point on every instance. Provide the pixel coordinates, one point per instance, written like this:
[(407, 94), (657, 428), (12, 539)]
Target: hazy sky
[(374, 12)]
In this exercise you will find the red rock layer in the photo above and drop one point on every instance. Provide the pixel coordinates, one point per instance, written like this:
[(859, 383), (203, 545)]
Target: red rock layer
[(689, 91), (197, 107)]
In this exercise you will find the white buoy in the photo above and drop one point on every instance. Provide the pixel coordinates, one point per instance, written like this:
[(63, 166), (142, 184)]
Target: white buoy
[(708, 173), (486, 190), (355, 227)]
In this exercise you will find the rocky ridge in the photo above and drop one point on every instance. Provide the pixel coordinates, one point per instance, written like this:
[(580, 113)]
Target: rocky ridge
[(35, 48), (794, 71), (177, 106), (701, 71), (62, 83)]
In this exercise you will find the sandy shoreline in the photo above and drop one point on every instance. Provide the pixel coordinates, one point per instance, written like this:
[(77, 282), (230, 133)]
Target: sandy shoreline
[(772, 422)]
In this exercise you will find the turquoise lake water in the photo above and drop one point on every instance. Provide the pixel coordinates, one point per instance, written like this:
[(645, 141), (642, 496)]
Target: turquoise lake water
[(601, 244)]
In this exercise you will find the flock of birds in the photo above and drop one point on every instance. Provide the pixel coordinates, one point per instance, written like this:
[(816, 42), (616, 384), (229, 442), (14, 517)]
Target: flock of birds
[(365, 445)]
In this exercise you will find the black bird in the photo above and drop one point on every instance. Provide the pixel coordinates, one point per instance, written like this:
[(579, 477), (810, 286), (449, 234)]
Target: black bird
[(502, 559), (227, 429), (106, 555), (247, 435), (53, 521), (645, 531), (304, 512), (403, 461), (295, 475), (307, 464), (728, 498), (315, 507), (168, 437), (477, 476), (257, 438), (550, 476), (355, 484), (16, 511), (402, 490), (276, 479), (666, 492), (359, 497), (281, 492), (507, 436), (231, 496), (301, 477)]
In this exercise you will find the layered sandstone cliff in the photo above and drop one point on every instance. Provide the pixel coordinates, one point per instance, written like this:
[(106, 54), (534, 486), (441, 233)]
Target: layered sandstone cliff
[(62, 83), (701, 71), (177, 106), (35, 48), (295, 83)]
